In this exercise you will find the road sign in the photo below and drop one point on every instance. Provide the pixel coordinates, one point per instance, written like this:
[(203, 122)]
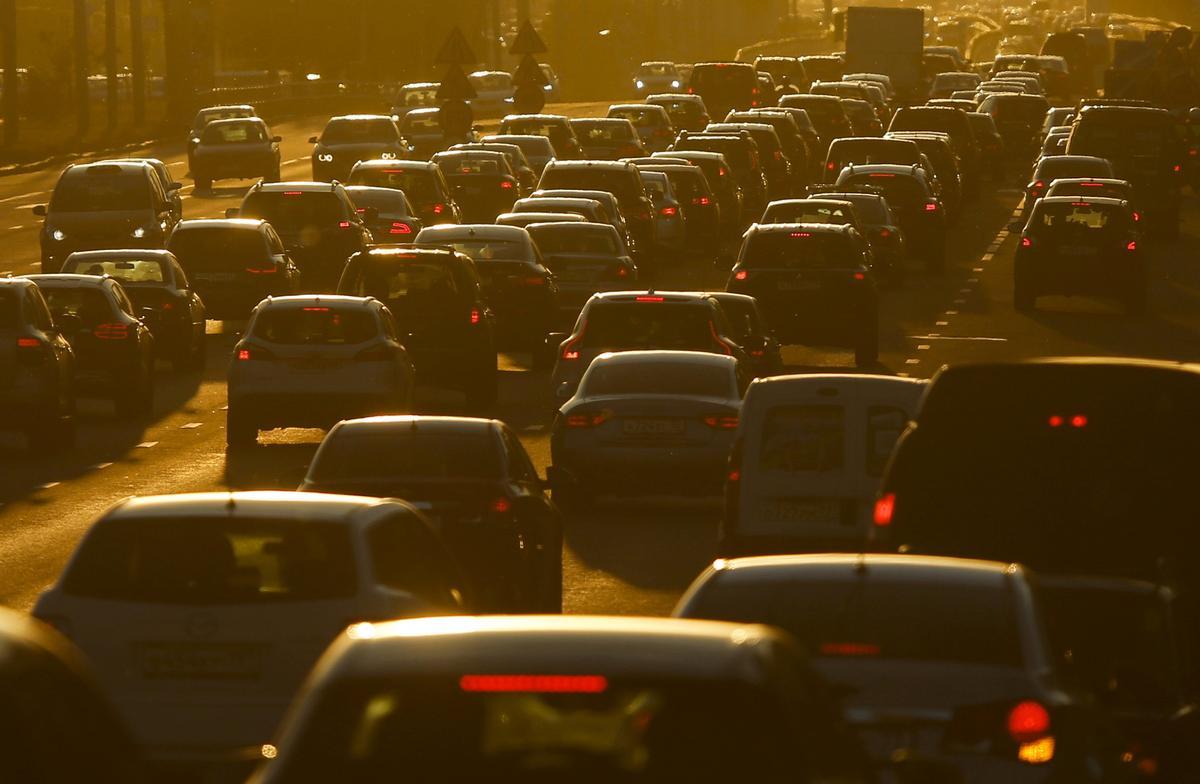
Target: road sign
[(528, 99), (455, 118), (530, 73), (456, 50), (455, 86), (527, 41)]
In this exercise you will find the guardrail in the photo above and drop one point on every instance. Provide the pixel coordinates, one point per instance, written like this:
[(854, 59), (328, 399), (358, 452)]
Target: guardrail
[(278, 101)]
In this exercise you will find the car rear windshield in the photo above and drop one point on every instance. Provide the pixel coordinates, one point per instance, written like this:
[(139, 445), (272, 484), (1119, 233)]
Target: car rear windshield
[(865, 151), (207, 249), (234, 133), (87, 303), (799, 250), (131, 272), (618, 182), (642, 118), (469, 164), (872, 617), (664, 378), (724, 78), (688, 185), (403, 453), (205, 117), (597, 240), (1121, 136), (226, 560), (422, 122), (316, 325), (680, 107), (869, 209), (387, 201), (1064, 168), (1078, 216), (415, 283), (648, 325), (291, 211), (359, 131), (96, 191), (10, 309), (739, 154), (901, 191), (419, 185), (1014, 109), (492, 81), (557, 131), (490, 250), (602, 132), (808, 213), (417, 96), (463, 725)]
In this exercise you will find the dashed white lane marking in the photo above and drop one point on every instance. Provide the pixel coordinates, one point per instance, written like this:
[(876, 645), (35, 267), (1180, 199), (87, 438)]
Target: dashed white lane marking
[(972, 280), (923, 347), (191, 426), (146, 445), (99, 466), (951, 312), (902, 375), (965, 290), (23, 196), (960, 302), (977, 269), (48, 485), (957, 337), (941, 323), (293, 160), (14, 228), (912, 361)]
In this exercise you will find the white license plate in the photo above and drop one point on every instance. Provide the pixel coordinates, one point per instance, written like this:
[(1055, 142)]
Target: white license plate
[(652, 427), (215, 277), (200, 660), (799, 285), (814, 512)]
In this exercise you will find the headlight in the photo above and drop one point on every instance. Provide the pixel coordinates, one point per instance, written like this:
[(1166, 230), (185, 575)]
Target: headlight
[(547, 87), (58, 235), (639, 84), (138, 233), (388, 156), (325, 157), (675, 84)]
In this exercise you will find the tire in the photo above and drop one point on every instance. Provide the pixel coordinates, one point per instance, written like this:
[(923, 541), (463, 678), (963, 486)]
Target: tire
[(240, 431), (137, 402)]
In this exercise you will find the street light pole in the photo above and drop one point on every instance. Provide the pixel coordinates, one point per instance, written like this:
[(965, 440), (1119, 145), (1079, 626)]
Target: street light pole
[(8, 49), (137, 51), (110, 60)]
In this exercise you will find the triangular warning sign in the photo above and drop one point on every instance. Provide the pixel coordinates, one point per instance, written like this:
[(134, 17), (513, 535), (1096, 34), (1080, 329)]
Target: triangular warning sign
[(455, 86), (529, 72), (527, 41), (456, 51)]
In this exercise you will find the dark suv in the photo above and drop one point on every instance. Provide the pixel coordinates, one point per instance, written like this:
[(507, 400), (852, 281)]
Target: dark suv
[(445, 323), (318, 223), (914, 203), (727, 87), (741, 151), (950, 121), (37, 368), (351, 138), (422, 182)]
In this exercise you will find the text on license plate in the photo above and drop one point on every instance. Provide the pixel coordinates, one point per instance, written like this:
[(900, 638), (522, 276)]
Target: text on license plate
[(653, 427), (218, 661), (816, 512)]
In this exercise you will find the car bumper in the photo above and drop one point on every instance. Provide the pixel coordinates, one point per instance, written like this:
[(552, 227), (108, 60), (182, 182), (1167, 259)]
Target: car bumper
[(642, 470)]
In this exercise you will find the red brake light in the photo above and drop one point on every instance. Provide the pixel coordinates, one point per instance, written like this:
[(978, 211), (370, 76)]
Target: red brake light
[(476, 316), (885, 507), (860, 276), (263, 271), (882, 174), (587, 420), (506, 184), (702, 201), (1079, 421), (501, 505), (1177, 167), (931, 206), (831, 166), (293, 193), (669, 212), (734, 475), (243, 354), (1055, 420), (1137, 216), (779, 155), (439, 208), (28, 343), (650, 299), (316, 310), (344, 224), (111, 331), (535, 281), (741, 275), (722, 171), (800, 234), (560, 684), (1091, 184), (1026, 242), (849, 649), (400, 228), (722, 422), (885, 233), (1038, 186), (1132, 245), (1028, 721), (622, 271)]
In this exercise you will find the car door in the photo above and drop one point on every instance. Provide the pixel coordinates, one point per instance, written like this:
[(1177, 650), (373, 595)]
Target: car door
[(196, 311)]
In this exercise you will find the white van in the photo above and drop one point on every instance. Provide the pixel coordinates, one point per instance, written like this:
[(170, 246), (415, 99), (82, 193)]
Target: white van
[(806, 464)]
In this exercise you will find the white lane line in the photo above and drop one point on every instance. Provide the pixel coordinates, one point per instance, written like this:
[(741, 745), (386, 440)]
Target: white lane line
[(48, 486), (14, 228), (293, 160), (912, 361), (977, 269), (987, 257), (146, 445), (941, 323), (972, 280), (23, 196), (923, 347), (99, 466), (178, 163), (960, 302), (966, 290), (951, 312), (958, 337), (191, 426)]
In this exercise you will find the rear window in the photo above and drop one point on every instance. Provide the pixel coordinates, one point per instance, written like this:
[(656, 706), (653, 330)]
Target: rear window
[(413, 454), (902, 192), (803, 438), (315, 326), (724, 77), (648, 325), (1067, 168), (600, 132), (130, 272), (88, 304), (218, 248), (418, 96), (469, 164), (869, 209), (386, 200), (644, 118), (673, 378), (798, 250), (188, 561), (676, 107), (489, 250), (418, 184), (1120, 137), (10, 309), (295, 210), (808, 213), (97, 190), (866, 151), (1079, 216), (359, 131), (736, 152), (875, 618), (618, 182), (422, 122), (408, 287), (600, 240), (1015, 110), (555, 131), (233, 133)]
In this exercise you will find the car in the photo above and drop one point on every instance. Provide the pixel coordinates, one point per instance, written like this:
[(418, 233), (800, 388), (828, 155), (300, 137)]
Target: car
[(555, 127), (517, 161), (106, 204), (161, 294), (807, 460), (727, 194), (611, 209), (949, 82), (233, 264), (553, 86), (992, 151), (607, 138), (414, 95), (860, 150), (825, 67), (202, 613), (517, 284), (670, 237), (422, 129), (686, 112), (876, 223), (37, 369), (966, 104), (697, 202), (827, 115), (114, 351), (785, 70), (50, 684), (444, 319), (652, 77), (1055, 142), (525, 219), (386, 212), (776, 167), (1018, 118), (795, 144), (585, 258), (1092, 187), (493, 92), (622, 180), (209, 114), (939, 657), (318, 223), (539, 150), (719, 701), (169, 184), (1080, 245), (749, 329), (727, 86), (633, 320), (863, 119), (237, 148), (1057, 116), (1145, 147), (745, 165), (475, 481), (591, 209), (943, 159), (819, 209), (1058, 167), (646, 422), (913, 202), (483, 183), (651, 121), (953, 123), (814, 284), (350, 138), (841, 88), (311, 360), (422, 182)]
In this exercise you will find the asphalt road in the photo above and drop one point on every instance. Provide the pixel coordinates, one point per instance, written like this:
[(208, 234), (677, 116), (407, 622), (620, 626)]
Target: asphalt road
[(627, 557)]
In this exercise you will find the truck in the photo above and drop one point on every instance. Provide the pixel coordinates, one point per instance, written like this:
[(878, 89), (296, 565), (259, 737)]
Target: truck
[(888, 41)]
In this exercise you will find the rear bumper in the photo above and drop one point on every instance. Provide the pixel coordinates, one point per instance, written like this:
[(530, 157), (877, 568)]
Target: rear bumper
[(315, 409), (642, 470)]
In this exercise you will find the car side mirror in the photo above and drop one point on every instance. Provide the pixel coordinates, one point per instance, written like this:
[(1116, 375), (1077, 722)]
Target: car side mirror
[(39, 210), (233, 212), (174, 186), (277, 139), (564, 391), (312, 139)]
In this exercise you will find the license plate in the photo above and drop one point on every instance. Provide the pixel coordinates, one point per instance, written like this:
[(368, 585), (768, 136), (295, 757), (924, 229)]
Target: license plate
[(652, 427), (799, 285), (575, 276), (815, 512), (200, 660), (215, 277)]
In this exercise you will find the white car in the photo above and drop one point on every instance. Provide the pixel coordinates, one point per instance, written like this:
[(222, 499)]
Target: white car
[(312, 360), (647, 423), (202, 613), (493, 93), (809, 456)]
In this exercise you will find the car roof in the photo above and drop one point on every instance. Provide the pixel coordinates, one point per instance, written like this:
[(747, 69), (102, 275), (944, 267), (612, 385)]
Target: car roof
[(523, 137), (1100, 201), (486, 231), (275, 505), (124, 164), (244, 224), (546, 217), (675, 97), (606, 165), (910, 170), (1052, 159), (812, 228), (295, 301), (651, 107), (129, 253), (818, 199), (420, 85), (601, 120), (236, 121), (75, 279), (306, 186), (21, 282), (422, 110), (360, 117), (561, 201), (225, 107), (555, 117), (914, 569), (410, 252), (659, 356), (782, 388), (425, 424), (476, 152), (380, 163), (636, 647), (575, 193), (1097, 180), (567, 225)]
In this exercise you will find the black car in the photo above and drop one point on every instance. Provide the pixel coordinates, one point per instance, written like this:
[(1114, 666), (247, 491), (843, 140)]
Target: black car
[(1018, 119), (518, 161), (387, 213), (776, 166), (748, 327), (745, 165), (861, 150), (687, 112), (475, 481), (950, 121), (827, 114), (585, 258), (942, 158), (729, 196), (114, 351), (878, 225), (795, 145), (992, 150), (422, 129), (351, 138), (622, 180), (318, 223), (160, 291), (483, 182), (913, 202), (422, 182), (814, 284), (233, 264), (1076, 245), (444, 319), (727, 87), (237, 148), (211, 113), (555, 127), (37, 369), (701, 212)]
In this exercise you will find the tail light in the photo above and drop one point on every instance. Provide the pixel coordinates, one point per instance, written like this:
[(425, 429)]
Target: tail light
[(31, 351), (344, 224), (400, 228), (860, 276), (669, 212), (569, 351), (262, 270), (722, 421), (621, 271), (535, 281), (691, 91), (557, 684), (1026, 242), (439, 208), (500, 505), (1177, 167), (885, 233), (741, 275), (376, 354), (587, 420), (931, 206), (701, 201), (1028, 721), (254, 353), (779, 155), (885, 507), (1132, 245), (114, 331), (1037, 188), (506, 185), (1193, 152), (476, 316)]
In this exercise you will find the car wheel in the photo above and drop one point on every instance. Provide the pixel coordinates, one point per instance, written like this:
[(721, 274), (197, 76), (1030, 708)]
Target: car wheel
[(138, 401), (240, 431)]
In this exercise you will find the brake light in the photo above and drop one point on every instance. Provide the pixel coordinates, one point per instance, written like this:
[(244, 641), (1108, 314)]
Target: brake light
[(506, 184), (1091, 184), (316, 310), (701, 201), (779, 155), (722, 171), (439, 208), (1132, 245), (622, 271), (1028, 721), (587, 420), (646, 298), (344, 224), (669, 212), (262, 271), (881, 174), (885, 507), (691, 91), (535, 281), (1079, 421), (931, 206), (293, 193), (559, 684), (741, 275), (253, 352), (800, 234), (501, 505), (1177, 167), (476, 316), (569, 352), (400, 228), (885, 233), (722, 422), (111, 331), (860, 276), (849, 649), (1026, 242), (1037, 187), (1193, 152), (1137, 216), (28, 343)]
